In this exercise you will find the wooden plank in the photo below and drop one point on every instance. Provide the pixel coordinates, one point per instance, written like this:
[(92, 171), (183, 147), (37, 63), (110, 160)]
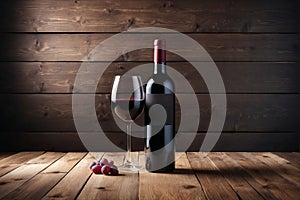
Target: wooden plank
[(182, 184), (65, 164), (234, 176), (250, 141), (116, 16), (12, 162), (293, 157), (36, 187), (39, 185), (49, 77), (245, 112), (46, 158), (280, 166), (6, 154), (266, 176), (50, 141), (123, 186), (59, 77), (71, 184), (208, 176), (145, 5), (221, 47), (20, 157), (232, 166), (19, 176)]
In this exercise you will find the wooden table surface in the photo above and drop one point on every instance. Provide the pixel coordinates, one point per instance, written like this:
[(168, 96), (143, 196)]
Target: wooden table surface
[(56, 175)]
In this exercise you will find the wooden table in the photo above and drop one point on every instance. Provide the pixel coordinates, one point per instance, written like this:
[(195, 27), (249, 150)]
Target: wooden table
[(56, 175)]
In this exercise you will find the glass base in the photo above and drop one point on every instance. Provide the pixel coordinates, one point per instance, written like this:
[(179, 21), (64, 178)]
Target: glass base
[(129, 167)]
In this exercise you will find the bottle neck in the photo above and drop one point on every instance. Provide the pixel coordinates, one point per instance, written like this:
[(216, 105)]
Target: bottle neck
[(159, 68), (159, 59)]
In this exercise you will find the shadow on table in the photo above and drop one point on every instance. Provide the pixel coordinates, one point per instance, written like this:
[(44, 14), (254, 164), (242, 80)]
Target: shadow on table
[(235, 171)]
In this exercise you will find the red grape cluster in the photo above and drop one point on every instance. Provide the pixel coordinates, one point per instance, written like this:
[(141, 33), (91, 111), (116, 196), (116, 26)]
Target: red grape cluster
[(105, 167)]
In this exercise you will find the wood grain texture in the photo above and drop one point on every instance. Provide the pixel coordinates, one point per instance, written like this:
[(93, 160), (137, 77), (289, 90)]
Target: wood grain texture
[(281, 166), (20, 157), (213, 183), (39, 185), (245, 112), (233, 176), (182, 184), (36, 187), (255, 45), (250, 141), (234, 166), (116, 16), (5, 154), (65, 163), (292, 157), (14, 161), (59, 77), (197, 176), (75, 47), (71, 184), (19, 176), (46, 158), (124, 186), (266, 176)]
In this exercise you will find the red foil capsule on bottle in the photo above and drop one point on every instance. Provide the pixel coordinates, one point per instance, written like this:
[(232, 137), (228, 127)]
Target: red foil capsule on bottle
[(159, 51)]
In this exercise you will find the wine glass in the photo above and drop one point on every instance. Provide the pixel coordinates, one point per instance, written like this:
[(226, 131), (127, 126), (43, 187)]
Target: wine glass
[(127, 101)]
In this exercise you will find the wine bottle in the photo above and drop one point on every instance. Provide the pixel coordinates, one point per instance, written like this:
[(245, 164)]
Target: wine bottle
[(159, 147)]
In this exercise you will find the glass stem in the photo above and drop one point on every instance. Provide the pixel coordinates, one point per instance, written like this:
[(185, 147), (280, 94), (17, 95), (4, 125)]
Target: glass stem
[(128, 156)]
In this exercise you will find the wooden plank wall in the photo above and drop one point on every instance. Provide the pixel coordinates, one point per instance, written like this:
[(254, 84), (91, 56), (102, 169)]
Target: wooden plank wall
[(255, 45)]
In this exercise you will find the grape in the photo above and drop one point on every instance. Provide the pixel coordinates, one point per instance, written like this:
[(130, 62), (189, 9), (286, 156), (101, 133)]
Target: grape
[(92, 164), (103, 161), (114, 166), (105, 170), (114, 171), (101, 164), (104, 166), (111, 163), (96, 169)]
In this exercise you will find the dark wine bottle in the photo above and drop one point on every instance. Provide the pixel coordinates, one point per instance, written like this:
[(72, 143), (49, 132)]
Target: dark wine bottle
[(159, 147)]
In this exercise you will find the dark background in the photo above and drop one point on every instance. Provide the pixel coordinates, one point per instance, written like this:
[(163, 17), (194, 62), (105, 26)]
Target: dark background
[(255, 45)]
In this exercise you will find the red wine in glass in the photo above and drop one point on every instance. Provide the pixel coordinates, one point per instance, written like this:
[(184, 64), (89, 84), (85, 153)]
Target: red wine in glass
[(128, 109)]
